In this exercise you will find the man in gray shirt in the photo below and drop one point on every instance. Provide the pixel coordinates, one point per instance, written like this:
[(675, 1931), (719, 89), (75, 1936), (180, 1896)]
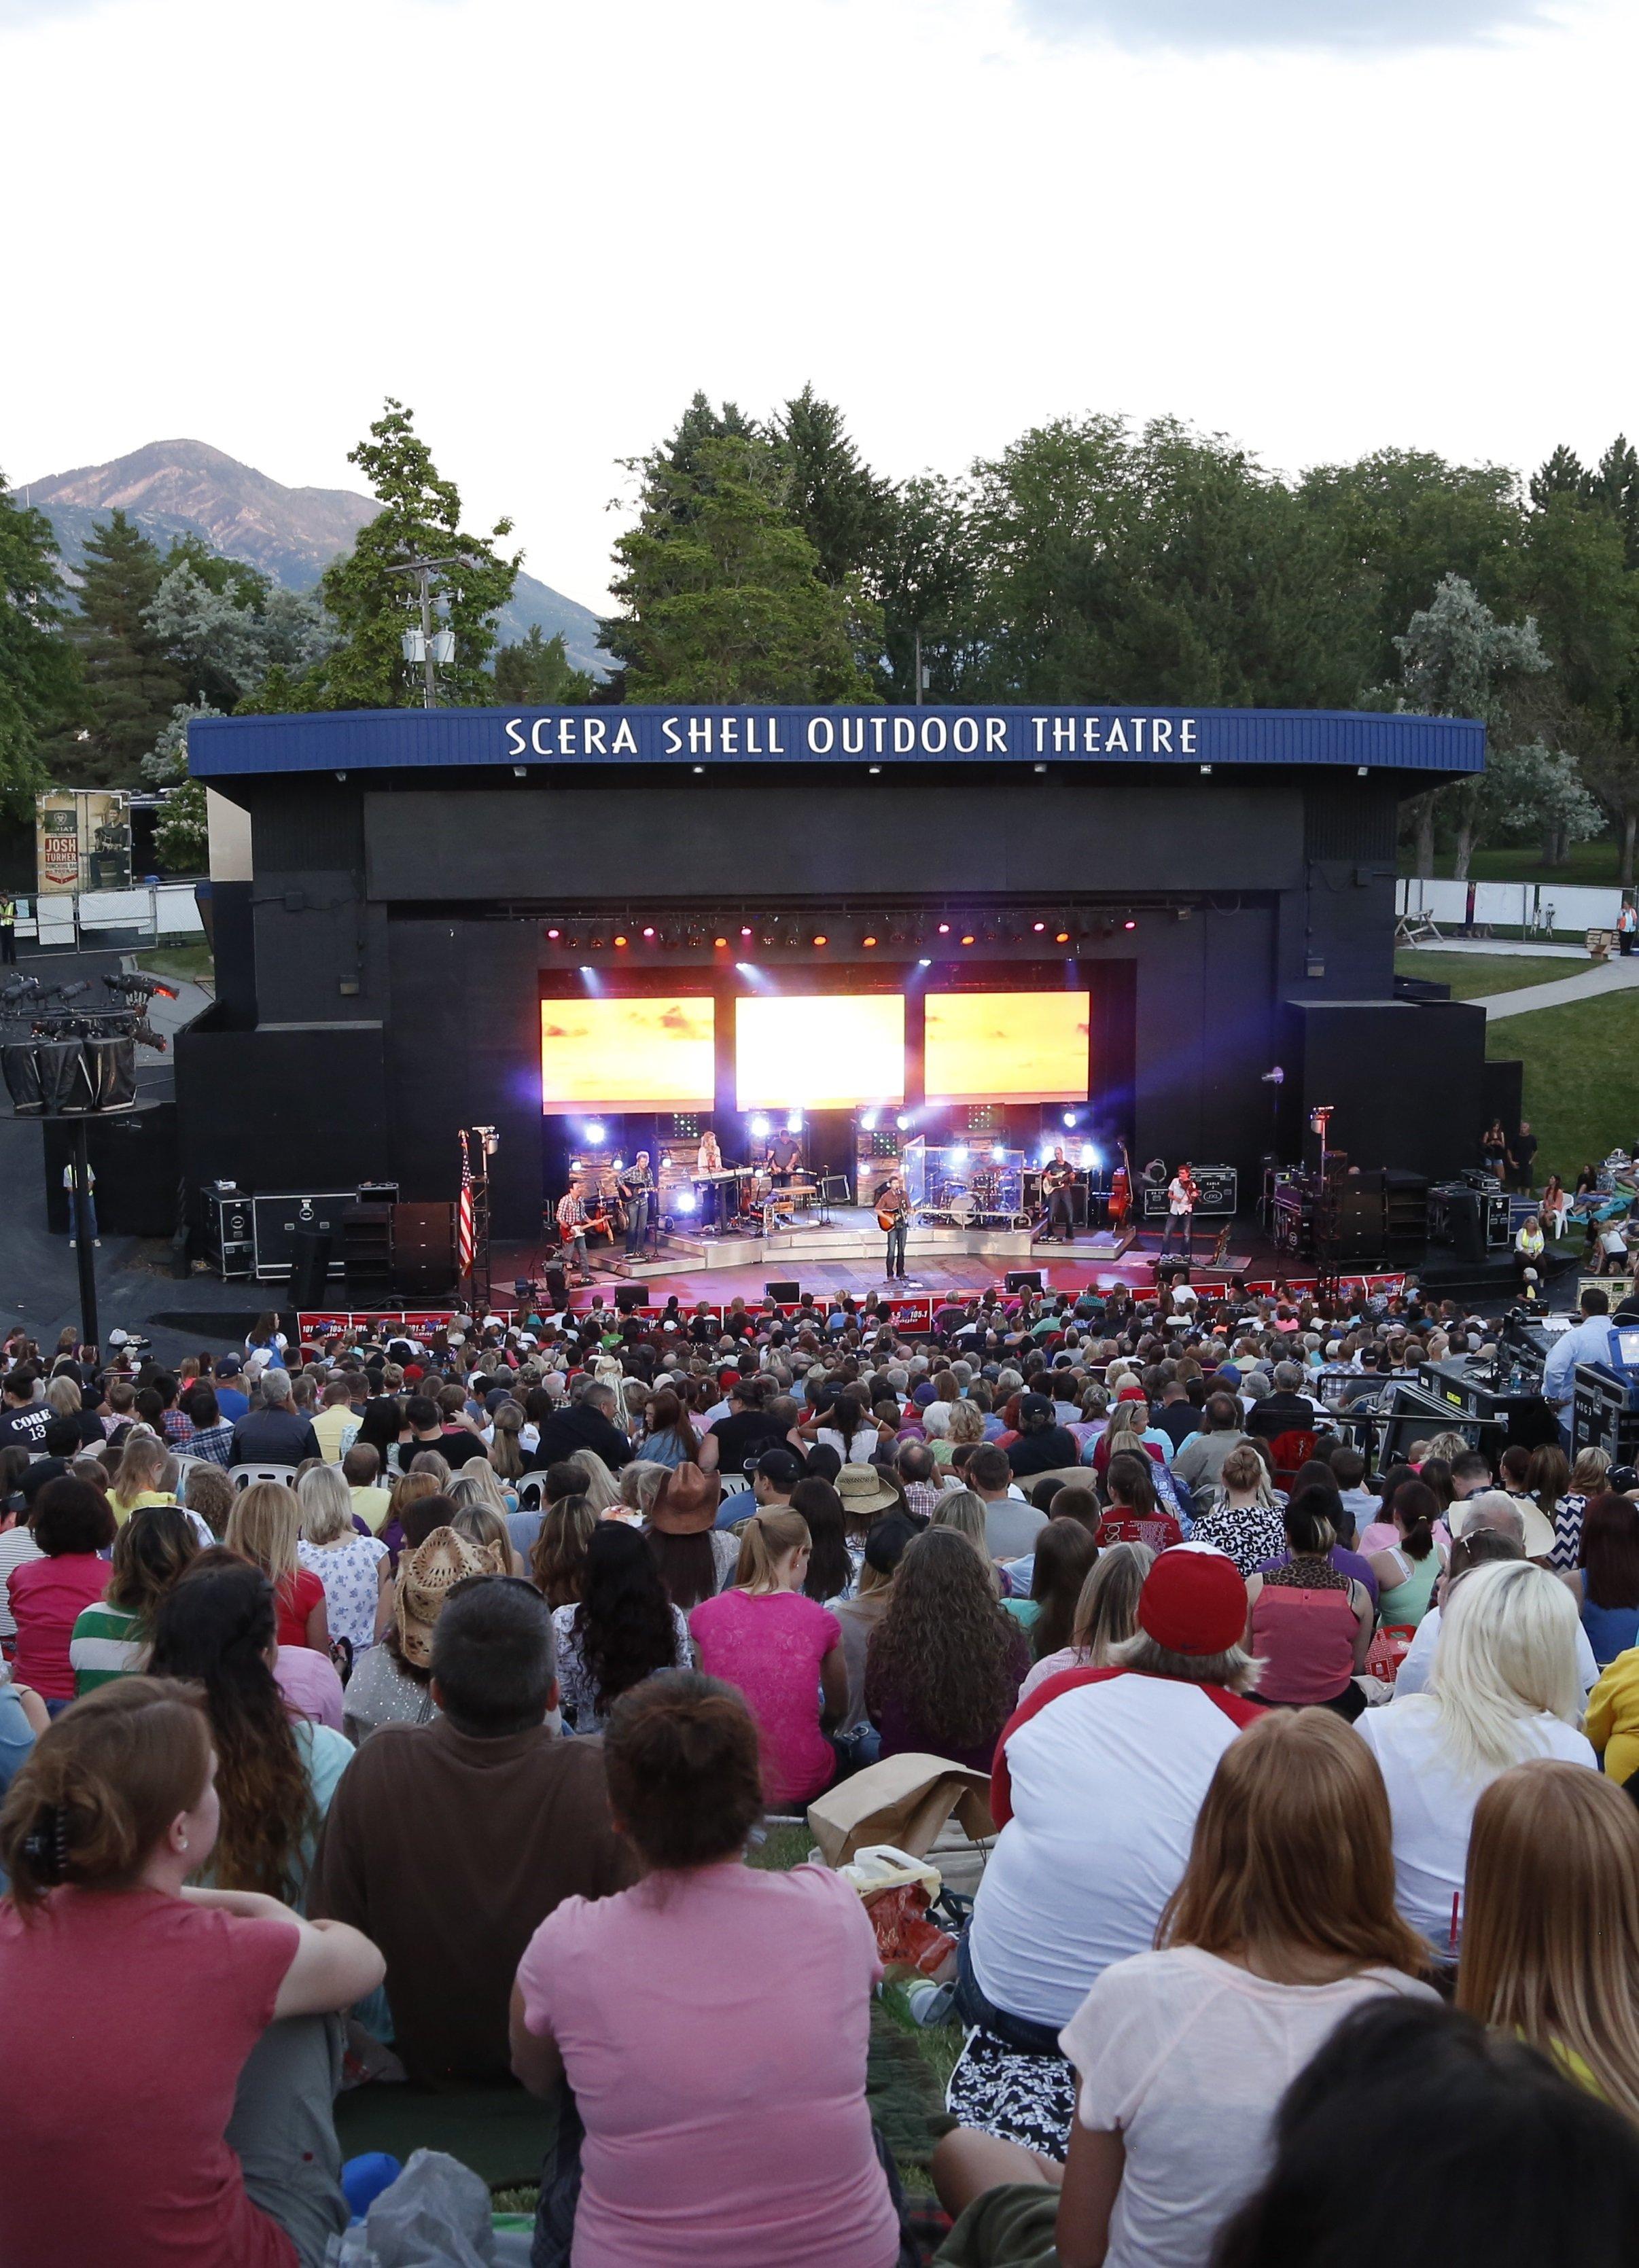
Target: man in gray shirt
[(1011, 1525), (1198, 1465)]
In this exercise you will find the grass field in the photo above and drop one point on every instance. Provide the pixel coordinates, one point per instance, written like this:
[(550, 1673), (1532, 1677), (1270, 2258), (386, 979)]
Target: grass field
[(1582, 1093), (1471, 975), (1592, 865), (179, 963)]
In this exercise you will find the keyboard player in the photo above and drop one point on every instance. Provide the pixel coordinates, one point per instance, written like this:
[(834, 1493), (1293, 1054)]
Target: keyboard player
[(709, 1185)]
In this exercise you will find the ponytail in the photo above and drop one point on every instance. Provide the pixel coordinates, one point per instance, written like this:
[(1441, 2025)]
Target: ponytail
[(769, 1536), (1416, 1508), (101, 1787)]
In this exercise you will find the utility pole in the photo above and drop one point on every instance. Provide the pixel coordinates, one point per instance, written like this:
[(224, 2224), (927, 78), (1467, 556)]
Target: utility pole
[(917, 640), (421, 570)]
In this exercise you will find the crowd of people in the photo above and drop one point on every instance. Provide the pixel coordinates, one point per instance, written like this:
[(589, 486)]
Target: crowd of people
[(407, 1706)]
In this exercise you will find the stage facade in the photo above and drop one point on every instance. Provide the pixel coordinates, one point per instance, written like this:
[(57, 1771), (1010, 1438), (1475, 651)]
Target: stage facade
[(979, 929)]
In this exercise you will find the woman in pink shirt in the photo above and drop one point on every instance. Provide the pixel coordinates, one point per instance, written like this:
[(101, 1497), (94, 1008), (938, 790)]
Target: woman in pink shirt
[(783, 1651), (712, 2004), (73, 1522)]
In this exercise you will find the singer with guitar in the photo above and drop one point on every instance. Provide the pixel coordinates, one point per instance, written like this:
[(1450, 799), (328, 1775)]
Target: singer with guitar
[(1181, 1195), (1058, 1179), (893, 1216), (572, 1227), (634, 1185)]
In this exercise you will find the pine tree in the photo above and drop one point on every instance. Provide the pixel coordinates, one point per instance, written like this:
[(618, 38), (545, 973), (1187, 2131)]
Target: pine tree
[(131, 686), (373, 606), (40, 679), (538, 674), (844, 508)]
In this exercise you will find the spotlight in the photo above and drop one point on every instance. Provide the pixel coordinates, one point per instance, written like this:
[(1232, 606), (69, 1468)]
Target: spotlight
[(793, 1122), (944, 929), (552, 935), (1037, 927), (622, 940), (671, 935), (924, 964), (649, 933), (594, 1133), (968, 937), (895, 929), (1090, 1156), (791, 935), (820, 937), (572, 940), (958, 1156), (1129, 923), (1069, 1117), (597, 938), (997, 1153), (744, 929), (694, 935), (759, 1129), (768, 934), (1061, 937), (720, 940), (867, 1121), (903, 1121), (867, 942), (683, 1202)]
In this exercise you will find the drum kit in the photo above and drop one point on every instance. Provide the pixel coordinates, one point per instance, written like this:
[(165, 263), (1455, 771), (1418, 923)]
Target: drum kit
[(989, 1197)]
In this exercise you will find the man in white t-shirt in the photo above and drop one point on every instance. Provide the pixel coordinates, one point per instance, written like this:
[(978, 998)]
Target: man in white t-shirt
[(1180, 1209), (1098, 1781)]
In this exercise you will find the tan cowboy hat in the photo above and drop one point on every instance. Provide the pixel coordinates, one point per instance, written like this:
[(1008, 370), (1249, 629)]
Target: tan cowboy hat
[(426, 1576), (687, 1502), (863, 1490)]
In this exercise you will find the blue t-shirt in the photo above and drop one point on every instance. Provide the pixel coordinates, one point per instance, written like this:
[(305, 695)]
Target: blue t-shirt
[(739, 1506)]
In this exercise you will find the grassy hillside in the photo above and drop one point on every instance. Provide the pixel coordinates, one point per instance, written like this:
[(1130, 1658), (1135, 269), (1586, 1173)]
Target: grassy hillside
[(1582, 1095), (1471, 975)]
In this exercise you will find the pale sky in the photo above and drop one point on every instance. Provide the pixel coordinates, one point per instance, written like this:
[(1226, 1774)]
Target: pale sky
[(543, 226)]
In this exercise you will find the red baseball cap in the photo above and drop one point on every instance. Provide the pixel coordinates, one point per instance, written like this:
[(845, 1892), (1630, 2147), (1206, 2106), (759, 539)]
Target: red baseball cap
[(1193, 1600)]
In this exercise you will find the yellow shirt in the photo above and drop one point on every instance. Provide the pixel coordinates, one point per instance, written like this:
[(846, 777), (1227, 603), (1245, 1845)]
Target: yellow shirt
[(371, 1505), (1612, 1719), (337, 1429), (123, 1511)]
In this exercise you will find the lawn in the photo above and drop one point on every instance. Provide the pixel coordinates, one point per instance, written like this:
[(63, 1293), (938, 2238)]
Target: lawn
[(1471, 975), (1582, 1096), (182, 963)]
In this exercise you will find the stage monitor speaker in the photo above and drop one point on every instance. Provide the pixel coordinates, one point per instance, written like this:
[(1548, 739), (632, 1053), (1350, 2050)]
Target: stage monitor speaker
[(630, 1297), (1024, 1279), (310, 1266), (423, 1250), (556, 1278), (1172, 1269), (785, 1295)]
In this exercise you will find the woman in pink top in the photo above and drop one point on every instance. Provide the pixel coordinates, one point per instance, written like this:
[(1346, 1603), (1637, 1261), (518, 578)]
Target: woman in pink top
[(783, 1651), (72, 1523), (711, 2005), (1308, 1623)]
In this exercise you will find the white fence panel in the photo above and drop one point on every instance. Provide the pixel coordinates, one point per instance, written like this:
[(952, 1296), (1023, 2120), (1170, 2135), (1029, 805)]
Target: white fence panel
[(116, 908), (1582, 908), (176, 911), (1504, 905)]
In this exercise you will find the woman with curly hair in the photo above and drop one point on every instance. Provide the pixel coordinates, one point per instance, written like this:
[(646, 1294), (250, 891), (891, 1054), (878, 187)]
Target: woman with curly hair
[(275, 1774), (943, 1667), (623, 1629)]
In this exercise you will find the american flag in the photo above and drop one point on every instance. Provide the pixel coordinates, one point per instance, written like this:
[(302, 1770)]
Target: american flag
[(464, 1239)]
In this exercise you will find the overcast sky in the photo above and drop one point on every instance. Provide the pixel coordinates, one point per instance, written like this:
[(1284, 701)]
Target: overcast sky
[(1324, 226)]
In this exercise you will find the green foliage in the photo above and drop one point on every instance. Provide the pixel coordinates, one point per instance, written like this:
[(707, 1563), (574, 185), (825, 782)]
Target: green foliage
[(538, 674), (166, 761), (373, 606), (723, 592), (182, 840), (131, 685), (40, 678), (840, 505), (928, 581)]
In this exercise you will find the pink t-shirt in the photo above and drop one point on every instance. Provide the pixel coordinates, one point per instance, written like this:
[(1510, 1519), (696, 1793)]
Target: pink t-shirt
[(128, 2016), (771, 1643), (47, 1594), (698, 2012), (310, 1685)]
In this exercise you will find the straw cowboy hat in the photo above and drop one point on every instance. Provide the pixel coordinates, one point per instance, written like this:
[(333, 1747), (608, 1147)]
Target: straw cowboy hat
[(863, 1490), (426, 1577)]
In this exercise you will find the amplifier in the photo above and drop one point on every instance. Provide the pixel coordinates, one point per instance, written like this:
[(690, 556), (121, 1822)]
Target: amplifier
[(1218, 1188), (230, 1236), (275, 1219)]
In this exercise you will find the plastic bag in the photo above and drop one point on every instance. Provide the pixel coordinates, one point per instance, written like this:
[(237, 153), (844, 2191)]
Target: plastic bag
[(906, 1937), (437, 2214)]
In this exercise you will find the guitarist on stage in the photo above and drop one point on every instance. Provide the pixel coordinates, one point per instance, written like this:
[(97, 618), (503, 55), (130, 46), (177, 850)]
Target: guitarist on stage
[(1058, 1179), (572, 1227), (893, 1214)]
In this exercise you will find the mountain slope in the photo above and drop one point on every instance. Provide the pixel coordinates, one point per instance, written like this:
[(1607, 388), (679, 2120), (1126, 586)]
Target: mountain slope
[(176, 488)]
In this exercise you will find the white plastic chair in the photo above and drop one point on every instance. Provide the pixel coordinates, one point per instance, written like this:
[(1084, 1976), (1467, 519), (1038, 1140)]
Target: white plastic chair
[(242, 1475)]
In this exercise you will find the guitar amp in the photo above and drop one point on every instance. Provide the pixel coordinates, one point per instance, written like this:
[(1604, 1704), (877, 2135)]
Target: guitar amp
[(1217, 1192)]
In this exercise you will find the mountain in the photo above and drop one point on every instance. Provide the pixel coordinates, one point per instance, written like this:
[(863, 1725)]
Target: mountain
[(179, 487)]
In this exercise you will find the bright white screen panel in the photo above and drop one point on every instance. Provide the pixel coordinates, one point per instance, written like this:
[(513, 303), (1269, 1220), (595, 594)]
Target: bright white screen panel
[(823, 1053), (628, 1054), (1007, 1047)]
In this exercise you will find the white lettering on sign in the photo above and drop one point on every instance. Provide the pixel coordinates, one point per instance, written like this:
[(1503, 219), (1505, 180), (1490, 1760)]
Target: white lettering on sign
[(902, 731)]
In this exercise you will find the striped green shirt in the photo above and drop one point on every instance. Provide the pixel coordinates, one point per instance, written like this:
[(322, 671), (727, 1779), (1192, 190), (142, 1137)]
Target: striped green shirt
[(104, 1644)]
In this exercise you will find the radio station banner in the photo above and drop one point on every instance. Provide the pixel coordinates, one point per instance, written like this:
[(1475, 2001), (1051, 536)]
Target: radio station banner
[(81, 840)]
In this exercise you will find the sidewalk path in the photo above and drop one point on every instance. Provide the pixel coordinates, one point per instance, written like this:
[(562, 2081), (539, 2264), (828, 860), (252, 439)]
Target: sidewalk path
[(1616, 976)]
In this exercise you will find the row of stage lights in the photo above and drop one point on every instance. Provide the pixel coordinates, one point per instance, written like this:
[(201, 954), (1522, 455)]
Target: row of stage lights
[(1056, 927), (594, 1134)]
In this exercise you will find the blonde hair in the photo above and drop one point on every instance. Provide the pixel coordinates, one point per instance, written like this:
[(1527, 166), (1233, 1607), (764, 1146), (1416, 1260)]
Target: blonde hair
[(640, 1484), (964, 1510), (263, 1526), (1293, 1843), (505, 1454), (476, 1483), (1446, 1445), (1506, 1653), (1244, 1468), (769, 1537), (1106, 1612), (479, 1522), (601, 1490), (327, 1508), (145, 1463), (1587, 1474), (409, 1489), (967, 1423), (1550, 1920), (1127, 1417), (63, 1395)]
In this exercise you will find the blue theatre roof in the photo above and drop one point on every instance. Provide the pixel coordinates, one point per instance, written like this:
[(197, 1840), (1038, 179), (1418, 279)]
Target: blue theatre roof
[(419, 739)]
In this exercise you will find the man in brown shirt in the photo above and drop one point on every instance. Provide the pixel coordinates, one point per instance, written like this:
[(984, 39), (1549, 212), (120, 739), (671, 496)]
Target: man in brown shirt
[(448, 1843)]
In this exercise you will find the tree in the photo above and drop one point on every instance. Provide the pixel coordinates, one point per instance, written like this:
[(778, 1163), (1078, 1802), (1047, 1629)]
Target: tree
[(132, 687), (842, 508), (226, 633), (1457, 660), (927, 583), (40, 679), (722, 595), (538, 674), (182, 838), (372, 605)]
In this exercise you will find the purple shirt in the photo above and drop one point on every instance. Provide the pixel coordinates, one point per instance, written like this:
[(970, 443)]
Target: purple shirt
[(1346, 1562)]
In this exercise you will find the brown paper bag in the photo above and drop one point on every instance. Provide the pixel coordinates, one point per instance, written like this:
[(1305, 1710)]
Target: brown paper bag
[(904, 1800)]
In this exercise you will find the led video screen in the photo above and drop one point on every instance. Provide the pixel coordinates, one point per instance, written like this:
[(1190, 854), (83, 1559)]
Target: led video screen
[(821, 1053), (628, 1054), (1007, 1047)]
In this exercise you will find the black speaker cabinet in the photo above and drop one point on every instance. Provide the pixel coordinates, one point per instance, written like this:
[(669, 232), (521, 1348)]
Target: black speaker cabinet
[(310, 1265), (275, 1219), (555, 1277), (785, 1295), (1024, 1279), (423, 1250), (630, 1297), (367, 1249)]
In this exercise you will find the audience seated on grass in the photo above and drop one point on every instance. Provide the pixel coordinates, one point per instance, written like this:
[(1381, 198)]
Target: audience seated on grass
[(623, 1629), (943, 1667), (783, 1652)]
